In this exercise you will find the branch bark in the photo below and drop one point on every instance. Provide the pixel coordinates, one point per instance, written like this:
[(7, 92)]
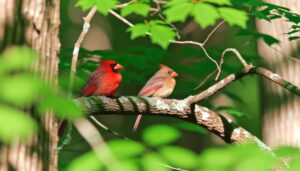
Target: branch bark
[(167, 107), (246, 71)]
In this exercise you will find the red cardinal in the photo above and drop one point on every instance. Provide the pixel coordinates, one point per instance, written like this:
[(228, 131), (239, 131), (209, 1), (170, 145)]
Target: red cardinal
[(105, 80), (161, 84)]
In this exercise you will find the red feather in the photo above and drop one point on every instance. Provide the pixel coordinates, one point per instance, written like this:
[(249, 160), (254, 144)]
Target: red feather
[(89, 90), (104, 81)]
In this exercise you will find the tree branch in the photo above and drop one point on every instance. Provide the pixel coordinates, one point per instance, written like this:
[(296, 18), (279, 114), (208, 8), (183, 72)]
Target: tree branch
[(132, 105), (100, 105), (85, 29), (96, 141), (233, 77)]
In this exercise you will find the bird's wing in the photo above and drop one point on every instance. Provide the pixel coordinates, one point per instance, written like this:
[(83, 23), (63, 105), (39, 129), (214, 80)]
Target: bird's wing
[(91, 87), (152, 86)]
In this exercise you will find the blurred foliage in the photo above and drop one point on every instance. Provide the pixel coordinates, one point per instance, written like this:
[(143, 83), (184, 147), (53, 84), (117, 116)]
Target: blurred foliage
[(133, 156), (230, 110), (269, 12), (24, 96), (205, 13), (160, 33), (170, 135)]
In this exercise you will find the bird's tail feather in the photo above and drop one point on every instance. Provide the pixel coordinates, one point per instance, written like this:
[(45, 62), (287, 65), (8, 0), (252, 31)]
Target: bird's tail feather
[(137, 121)]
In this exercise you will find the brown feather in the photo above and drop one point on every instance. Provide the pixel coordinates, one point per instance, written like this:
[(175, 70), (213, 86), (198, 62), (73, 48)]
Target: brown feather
[(161, 84)]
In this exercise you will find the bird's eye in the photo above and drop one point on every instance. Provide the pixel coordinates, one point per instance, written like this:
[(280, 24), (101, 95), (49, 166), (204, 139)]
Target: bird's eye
[(113, 65), (170, 72)]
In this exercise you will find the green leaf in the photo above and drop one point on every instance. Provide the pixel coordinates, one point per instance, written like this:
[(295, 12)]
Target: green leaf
[(136, 8), (15, 124), (263, 162), (127, 165), (270, 40), (85, 4), (178, 12), (234, 17), (293, 38), (294, 164), (88, 161), (226, 157), (205, 14), (125, 148), (138, 30), (286, 151), (161, 35), (158, 135), (176, 2), (63, 108), (231, 110), (153, 162), (153, 22), (179, 157), (238, 157), (261, 15), (191, 127), (20, 89), (233, 96), (104, 6), (17, 59), (219, 2)]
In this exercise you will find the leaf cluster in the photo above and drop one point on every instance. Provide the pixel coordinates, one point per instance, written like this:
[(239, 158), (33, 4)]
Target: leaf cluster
[(25, 96)]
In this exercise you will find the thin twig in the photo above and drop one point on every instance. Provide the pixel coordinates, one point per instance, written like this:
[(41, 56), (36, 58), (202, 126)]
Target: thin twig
[(124, 4), (205, 79), (212, 32), (158, 9), (285, 54), (106, 128), (121, 18), (202, 47), (172, 25), (237, 54), (160, 2), (95, 140), (171, 167), (85, 29)]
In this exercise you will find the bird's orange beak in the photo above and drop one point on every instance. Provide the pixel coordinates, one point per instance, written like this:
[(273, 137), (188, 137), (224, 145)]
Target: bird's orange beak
[(174, 74), (118, 67)]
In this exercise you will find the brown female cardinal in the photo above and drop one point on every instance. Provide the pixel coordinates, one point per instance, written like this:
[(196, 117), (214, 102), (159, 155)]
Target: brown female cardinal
[(105, 80), (161, 84)]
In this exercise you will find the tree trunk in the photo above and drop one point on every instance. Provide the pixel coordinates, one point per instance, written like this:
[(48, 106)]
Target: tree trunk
[(36, 24), (281, 115)]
